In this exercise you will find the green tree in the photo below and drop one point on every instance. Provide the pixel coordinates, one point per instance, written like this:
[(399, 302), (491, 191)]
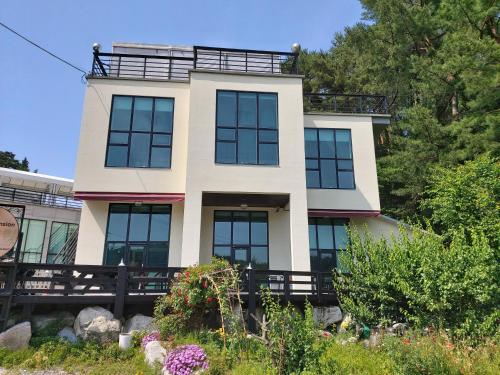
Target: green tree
[(466, 198), (438, 62), (8, 160)]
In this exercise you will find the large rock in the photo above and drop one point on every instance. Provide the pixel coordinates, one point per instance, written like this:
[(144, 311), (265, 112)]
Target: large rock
[(154, 352), (139, 322), (67, 334), (327, 316), (56, 318), (97, 323), (16, 337)]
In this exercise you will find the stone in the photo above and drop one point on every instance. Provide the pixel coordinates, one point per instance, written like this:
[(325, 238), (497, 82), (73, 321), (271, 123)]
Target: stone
[(68, 334), (139, 322), (59, 318), (97, 323), (154, 352), (16, 337), (327, 316), (374, 340), (398, 328)]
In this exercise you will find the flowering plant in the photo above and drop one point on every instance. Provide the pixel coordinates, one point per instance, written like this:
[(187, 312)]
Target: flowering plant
[(185, 360), (153, 336)]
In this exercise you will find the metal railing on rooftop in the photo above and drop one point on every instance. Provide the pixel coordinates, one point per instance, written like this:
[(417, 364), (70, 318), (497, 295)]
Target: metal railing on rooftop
[(38, 198), (345, 103), (177, 65)]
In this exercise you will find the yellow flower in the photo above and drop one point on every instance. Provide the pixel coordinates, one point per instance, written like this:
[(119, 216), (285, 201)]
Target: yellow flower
[(220, 331)]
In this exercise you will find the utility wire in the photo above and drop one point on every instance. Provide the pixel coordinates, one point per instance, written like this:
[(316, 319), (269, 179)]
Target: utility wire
[(43, 49)]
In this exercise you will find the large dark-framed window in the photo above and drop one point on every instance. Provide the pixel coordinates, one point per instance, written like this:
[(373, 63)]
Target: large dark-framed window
[(247, 128), (329, 162), (327, 239), (59, 234), (140, 132), (33, 238), (242, 237), (138, 234)]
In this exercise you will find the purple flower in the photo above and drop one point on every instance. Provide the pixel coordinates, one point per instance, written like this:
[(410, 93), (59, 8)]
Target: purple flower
[(186, 359), (153, 336)]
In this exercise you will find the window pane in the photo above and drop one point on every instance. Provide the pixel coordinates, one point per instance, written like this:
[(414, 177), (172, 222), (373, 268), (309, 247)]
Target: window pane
[(58, 236), (312, 237), (247, 109), (122, 110), (325, 234), (344, 164), (160, 157), (120, 138), (247, 146), (222, 228), (223, 252), (226, 108), (117, 156), (135, 255), (241, 228), (327, 263), (346, 180), (161, 140), (328, 174), (341, 239), (139, 150), (226, 152), (164, 111), (268, 154), (312, 179), (268, 136), (139, 223), (160, 227), (226, 134), (314, 260), (115, 252), (311, 145), (117, 226), (326, 143), (343, 144), (312, 164), (268, 111), (259, 231), (143, 114), (240, 257), (259, 258), (158, 255), (34, 234)]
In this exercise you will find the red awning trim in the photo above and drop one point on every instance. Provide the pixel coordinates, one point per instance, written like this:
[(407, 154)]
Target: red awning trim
[(129, 197), (343, 213)]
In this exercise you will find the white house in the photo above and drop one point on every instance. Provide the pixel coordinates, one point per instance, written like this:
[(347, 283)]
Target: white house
[(190, 152)]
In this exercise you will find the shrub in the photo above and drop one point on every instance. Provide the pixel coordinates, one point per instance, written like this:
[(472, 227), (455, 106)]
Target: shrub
[(419, 279), (291, 337), (185, 360)]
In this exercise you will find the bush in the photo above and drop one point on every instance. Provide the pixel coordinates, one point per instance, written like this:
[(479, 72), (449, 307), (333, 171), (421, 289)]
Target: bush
[(418, 279)]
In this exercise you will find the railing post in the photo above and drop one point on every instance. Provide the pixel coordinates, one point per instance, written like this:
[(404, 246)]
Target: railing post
[(195, 57), (286, 286), (318, 285), (144, 71), (121, 289), (252, 301)]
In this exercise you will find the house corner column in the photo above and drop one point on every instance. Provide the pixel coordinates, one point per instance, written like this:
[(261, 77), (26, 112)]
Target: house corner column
[(191, 229), (299, 233)]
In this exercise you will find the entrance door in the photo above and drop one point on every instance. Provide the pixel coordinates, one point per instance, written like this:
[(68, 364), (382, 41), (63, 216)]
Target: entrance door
[(242, 237)]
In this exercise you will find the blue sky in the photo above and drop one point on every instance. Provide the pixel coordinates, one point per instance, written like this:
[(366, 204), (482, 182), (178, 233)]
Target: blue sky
[(41, 99)]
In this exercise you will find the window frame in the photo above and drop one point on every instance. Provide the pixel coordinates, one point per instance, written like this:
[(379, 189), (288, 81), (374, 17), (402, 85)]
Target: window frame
[(256, 128), (336, 159), (247, 246), (128, 243), (319, 250), (130, 131)]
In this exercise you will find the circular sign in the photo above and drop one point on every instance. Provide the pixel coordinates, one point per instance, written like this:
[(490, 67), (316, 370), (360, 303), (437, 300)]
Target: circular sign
[(9, 231)]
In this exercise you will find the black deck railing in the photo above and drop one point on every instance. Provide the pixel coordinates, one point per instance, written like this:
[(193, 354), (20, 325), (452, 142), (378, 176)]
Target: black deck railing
[(38, 198), (345, 103), (31, 284), (177, 65)]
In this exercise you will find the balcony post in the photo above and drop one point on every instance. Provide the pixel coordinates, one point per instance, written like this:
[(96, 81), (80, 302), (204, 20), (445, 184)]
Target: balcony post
[(121, 289), (252, 303)]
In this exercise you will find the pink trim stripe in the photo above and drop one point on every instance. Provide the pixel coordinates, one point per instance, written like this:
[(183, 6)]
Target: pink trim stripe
[(343, 213), (129, 197)]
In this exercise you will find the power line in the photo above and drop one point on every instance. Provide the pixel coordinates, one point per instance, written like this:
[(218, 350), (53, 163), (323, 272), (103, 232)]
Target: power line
[(43, 49)]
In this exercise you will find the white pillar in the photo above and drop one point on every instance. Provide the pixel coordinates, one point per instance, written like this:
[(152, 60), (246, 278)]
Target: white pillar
[(191, 229), (299, 232)]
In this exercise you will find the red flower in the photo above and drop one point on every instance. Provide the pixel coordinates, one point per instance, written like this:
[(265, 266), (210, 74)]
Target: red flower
[(209, 299), (449, 345), (204, 285), (186, 299), (187, 274), (406, 341)]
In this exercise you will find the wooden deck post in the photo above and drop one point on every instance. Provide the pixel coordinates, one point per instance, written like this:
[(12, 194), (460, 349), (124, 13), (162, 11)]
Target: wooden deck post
[(252, 303), (121, 289)]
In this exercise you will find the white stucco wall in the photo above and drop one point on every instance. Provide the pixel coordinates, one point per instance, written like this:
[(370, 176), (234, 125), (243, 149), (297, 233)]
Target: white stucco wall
[(92, 175), (378, 227), (203, 175), (365, 196)]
